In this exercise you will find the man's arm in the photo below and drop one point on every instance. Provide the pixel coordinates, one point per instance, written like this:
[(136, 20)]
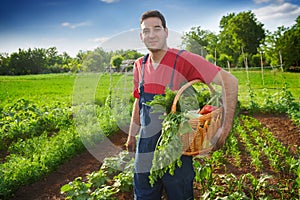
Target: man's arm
[(134, 127), (229, 98)]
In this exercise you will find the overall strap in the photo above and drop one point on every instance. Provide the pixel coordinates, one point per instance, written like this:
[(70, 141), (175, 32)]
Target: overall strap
[(141, 84), (174, 68)]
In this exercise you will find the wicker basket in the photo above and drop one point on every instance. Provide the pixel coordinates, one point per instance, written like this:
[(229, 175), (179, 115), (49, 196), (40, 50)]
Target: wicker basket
[(204, 128)]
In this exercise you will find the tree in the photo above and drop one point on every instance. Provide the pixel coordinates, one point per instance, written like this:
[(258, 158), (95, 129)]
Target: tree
[(240, 33), (289, 45), (268, 47), (31, 61), (224, 60), (97, 60), (128, 54), (197, 40), (116, 61)]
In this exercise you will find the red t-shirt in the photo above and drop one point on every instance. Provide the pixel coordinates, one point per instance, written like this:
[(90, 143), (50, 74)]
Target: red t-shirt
[(189, 67)]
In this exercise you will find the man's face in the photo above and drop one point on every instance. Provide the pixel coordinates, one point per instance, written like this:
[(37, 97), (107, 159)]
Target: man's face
[(153, 35)]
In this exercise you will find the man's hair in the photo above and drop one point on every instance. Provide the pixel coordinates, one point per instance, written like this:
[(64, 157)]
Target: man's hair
[(154, 13)]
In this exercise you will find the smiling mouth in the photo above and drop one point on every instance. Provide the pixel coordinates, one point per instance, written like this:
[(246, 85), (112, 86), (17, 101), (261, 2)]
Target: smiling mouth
[(152, 42)]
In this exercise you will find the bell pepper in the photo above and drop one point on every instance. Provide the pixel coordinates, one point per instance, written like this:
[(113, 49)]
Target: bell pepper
[(207, 109)]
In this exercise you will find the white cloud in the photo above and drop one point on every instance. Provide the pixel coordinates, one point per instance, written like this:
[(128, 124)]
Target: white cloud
[(277, 13), (99, 40), (73, 26), (269, 1), (110, 1)]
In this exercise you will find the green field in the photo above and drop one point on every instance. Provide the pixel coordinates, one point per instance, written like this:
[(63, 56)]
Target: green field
[(45, 89), (50, 88)]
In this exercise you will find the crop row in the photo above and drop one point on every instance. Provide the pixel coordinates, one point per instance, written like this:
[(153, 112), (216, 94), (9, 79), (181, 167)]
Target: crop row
[(237, 171)]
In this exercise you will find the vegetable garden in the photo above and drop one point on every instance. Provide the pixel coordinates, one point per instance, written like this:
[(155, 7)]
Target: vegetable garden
[(41, 128)]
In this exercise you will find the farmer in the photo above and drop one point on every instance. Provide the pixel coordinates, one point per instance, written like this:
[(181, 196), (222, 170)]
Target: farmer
[(151, 78)]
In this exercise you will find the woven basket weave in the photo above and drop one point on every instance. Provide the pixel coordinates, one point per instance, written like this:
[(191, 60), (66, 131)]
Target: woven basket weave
[(204, 127)]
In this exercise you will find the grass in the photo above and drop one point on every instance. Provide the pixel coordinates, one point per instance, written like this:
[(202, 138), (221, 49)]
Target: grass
[(50, 88), (75, 88), (274, 81)]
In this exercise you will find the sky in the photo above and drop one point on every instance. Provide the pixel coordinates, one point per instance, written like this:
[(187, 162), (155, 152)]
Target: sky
[(80, 25)]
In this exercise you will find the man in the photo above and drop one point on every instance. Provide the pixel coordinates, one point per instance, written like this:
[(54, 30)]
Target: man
[(168, 67)]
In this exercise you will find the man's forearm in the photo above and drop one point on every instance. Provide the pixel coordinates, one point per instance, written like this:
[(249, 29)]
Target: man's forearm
[(230, 102), (229, 97)]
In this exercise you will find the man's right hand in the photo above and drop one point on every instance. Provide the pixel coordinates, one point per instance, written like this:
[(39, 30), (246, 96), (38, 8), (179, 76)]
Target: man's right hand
[(131, 143)]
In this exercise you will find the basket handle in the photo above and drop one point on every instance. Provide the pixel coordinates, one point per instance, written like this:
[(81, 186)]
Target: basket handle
[(180, 91)]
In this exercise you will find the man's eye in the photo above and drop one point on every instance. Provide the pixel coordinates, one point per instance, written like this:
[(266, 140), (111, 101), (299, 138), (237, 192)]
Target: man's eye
[(157, 29), (145, 31)]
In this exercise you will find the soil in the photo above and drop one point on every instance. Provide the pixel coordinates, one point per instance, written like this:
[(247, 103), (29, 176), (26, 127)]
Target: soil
[(49, 187)]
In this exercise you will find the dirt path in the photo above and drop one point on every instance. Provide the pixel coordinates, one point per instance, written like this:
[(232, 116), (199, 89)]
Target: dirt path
[(80, 165)]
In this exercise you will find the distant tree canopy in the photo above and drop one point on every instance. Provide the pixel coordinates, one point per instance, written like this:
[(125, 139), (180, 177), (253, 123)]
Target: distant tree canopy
[(36, 61), (241, 40), (40, 61)]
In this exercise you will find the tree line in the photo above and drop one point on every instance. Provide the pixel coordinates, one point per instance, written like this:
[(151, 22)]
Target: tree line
[(241, 42), (43, 61)]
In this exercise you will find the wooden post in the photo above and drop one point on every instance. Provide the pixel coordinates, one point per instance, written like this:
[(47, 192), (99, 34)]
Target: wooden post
[(215, 56), (280, 58), (262, 68)]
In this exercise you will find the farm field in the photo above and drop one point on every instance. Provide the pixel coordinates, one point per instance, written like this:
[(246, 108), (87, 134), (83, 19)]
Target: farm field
[(46, 89), (259, 160)]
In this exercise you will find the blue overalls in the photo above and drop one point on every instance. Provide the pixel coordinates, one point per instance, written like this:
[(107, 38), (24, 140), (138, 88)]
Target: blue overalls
[(177, 187)]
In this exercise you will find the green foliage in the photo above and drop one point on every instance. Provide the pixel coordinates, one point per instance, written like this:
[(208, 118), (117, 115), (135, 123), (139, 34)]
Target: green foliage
[(169, 148), (239, 31), (128, 54), (124, 181), (198, 39), (35, 61), (116, 61), (37, 139), (77, 189), (24, 120), (291, 37), (163, 103), (95, 61), (106, 182)]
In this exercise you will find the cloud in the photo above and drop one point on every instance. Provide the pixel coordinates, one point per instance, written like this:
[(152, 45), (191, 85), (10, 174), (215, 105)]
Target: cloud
[(277, 13), (99, 40), (110, 1), (73, 26), (269, 1)]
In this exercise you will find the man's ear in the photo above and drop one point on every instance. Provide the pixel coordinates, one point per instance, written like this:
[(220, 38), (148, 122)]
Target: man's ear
[(141, 37)]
